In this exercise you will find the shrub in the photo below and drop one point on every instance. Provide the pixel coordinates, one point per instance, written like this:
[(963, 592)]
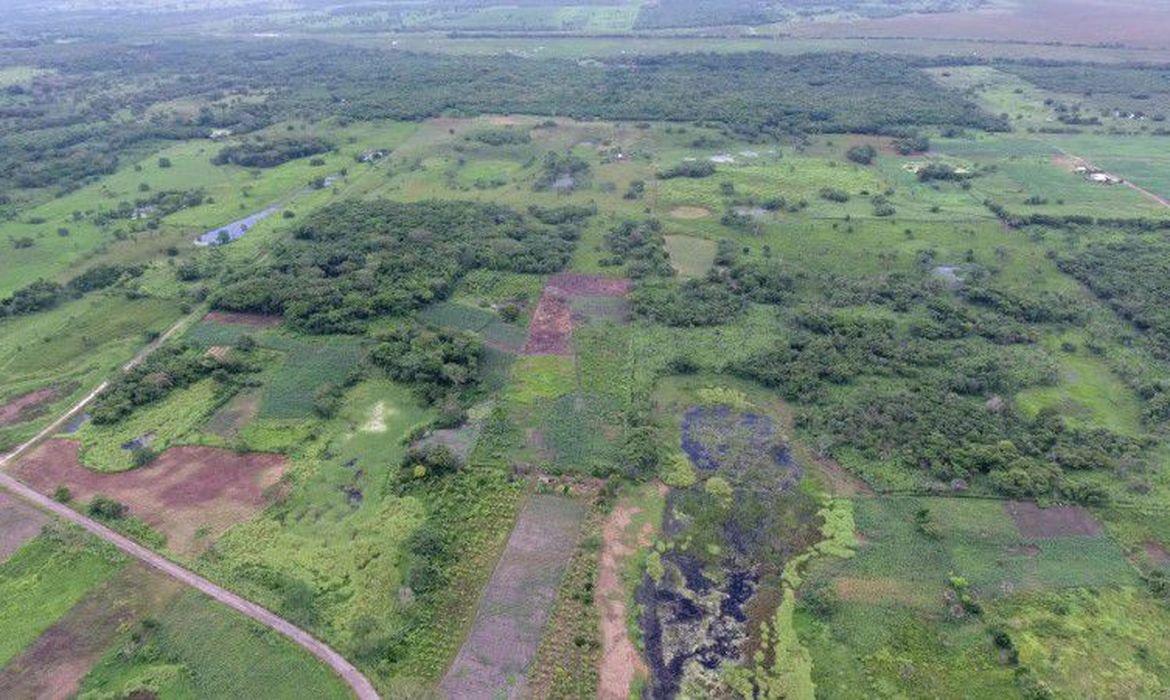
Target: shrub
[(106, 508)]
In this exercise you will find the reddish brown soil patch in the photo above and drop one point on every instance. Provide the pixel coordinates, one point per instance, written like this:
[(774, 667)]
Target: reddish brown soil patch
[(840, 481), (187, 491), (1055, 521), (503, 121), (621, 663), (1156, 553), (575, 284), (551, 326), (18, 524), (256, 320), (219, 352), (494, 659), (53, 666), (28, 406)]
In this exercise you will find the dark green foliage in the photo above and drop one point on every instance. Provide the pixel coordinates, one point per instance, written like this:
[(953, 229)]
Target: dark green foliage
[(640, 247), (431, 460), (502, 136), (908, 145), (941, 171), (169, 368), (438, 363), (1133, 277), (707, 302), (862, 155), (106, 508), (561, 172), (352, 261), (43, 294), (833, 194), (265, 153), (688, 168)]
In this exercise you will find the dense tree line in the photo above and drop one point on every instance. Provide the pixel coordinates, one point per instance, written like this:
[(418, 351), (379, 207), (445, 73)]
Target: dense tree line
[(927, 384), (169, 368), (1133, 277), (42, 295), (268, 153), (354, 260)]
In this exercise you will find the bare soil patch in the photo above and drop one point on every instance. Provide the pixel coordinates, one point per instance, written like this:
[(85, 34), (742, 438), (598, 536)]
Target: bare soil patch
[(504, 121), (18, 524), (234, 415), (570, 294), (689, 213), (494, 660), (54, 665), (839, 480), (1054, 521), (551, 326), (255, 320), (576, 284), (191, 494), (1156, 553), (28, 406), (621, 663)]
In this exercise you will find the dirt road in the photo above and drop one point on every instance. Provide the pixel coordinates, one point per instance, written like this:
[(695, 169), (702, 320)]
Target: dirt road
[(359, 683)]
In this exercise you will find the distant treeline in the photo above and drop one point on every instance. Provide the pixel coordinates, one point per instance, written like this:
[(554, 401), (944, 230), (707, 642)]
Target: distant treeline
[(62, 130)]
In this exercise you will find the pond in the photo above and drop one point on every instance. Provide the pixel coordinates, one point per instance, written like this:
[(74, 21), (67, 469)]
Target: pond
[(236, 229)]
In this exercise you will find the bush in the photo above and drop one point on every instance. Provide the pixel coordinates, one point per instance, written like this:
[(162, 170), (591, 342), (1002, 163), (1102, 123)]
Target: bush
[(862, 155), (106, 508), (688, 168), (62, 494)]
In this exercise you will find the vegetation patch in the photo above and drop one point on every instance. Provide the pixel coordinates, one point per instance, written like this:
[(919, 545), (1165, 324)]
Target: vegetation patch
[(19, 523)]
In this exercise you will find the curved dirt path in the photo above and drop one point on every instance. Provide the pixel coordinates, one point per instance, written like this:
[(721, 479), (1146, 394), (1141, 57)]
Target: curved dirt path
[(360, 685)]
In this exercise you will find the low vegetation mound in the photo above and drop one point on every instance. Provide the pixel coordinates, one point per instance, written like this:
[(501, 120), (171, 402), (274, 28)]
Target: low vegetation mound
[(268, 153)]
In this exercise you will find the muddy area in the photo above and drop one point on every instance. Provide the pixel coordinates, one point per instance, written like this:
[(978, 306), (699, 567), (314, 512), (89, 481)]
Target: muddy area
[(728, 545), (236, 229), (493, 662), (18, 524), (190, 494), (26, 407), (1054, 521), (53, 666)]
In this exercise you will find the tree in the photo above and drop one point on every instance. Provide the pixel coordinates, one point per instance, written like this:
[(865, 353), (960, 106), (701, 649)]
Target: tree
[(862, 155), (164, 162), (106, 508)]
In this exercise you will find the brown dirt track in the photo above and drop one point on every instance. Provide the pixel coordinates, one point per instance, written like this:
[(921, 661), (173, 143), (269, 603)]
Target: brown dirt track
[(183, 491), (620, 661), (18, 524), (1054, 521), (26, 407), (54, 665)]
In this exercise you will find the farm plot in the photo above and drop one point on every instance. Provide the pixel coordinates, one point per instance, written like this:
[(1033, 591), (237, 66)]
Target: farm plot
[(44, 579), (502, 643), (915, 555), (18, 524), (28, 406), (191, 494), (495, 333), (592, 297), (690, 257), (52, 667)]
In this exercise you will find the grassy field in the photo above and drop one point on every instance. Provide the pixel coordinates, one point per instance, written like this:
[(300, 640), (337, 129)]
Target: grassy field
[(44, 579)]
